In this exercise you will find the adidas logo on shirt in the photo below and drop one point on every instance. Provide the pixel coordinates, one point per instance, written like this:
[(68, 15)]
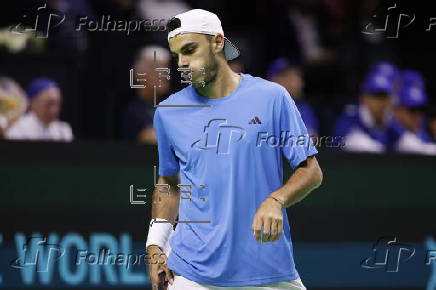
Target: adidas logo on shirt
[(255, 120)]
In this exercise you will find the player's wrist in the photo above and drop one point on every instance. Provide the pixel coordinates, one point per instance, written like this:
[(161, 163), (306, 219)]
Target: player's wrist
[(277, 200), (159, 234)]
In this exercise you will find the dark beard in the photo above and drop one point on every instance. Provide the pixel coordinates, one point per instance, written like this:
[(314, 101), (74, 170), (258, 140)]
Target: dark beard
[(210, 71)]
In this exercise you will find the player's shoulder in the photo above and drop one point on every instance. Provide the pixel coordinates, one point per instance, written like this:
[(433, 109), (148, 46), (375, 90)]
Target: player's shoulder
[(265, 85), (266, 88), (177, 98), (174, 100)]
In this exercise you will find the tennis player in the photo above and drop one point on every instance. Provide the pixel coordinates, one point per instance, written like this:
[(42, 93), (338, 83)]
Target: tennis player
[(221, 142)]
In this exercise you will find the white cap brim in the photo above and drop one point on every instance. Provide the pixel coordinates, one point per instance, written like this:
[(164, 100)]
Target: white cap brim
[(204, 22)]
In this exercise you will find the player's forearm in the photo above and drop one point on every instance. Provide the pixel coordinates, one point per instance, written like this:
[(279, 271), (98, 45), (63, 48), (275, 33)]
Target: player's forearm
[(166, 201), (306, 178)]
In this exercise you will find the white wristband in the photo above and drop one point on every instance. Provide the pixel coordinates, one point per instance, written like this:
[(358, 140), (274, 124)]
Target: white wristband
[(159, 234)]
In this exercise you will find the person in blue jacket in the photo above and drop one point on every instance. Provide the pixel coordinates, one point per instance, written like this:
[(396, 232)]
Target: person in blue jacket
[(369, 126), (411, 101)]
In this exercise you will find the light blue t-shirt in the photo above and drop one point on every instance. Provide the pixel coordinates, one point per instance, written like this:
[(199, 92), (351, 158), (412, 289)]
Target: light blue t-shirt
[(230, 155)]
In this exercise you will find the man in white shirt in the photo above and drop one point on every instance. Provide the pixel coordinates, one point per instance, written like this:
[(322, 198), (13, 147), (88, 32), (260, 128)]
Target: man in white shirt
[(41, 122)]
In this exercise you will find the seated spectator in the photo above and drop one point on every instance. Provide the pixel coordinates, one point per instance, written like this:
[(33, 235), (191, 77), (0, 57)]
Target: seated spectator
[(409, 112), (13, 103), (41, 122), (385, 68), (369, 126), (291, 77), (409, 78), (138, 114), (431, 126)]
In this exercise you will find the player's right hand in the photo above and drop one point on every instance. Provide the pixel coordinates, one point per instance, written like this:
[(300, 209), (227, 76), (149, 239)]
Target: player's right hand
[(158, 271), (267, 223)]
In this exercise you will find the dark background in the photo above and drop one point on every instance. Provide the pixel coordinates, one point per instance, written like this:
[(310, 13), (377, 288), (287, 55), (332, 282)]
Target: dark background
[(92, 68), (83, 188)]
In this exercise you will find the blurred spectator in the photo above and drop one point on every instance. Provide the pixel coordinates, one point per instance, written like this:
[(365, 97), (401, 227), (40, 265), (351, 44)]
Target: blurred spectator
[(138, 114), (369, 126), (385, 68), (66, 37), (411, 102), (431, 126), (13, 103), (304, 17), (291, 77), (409, 112), (390, 71), (41, 122)]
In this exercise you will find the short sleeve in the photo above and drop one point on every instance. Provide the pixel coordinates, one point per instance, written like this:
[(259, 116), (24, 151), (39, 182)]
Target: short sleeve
[(299, 145), (168, 162)]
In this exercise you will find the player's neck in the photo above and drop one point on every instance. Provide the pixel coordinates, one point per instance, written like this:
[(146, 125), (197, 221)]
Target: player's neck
[(225, 83)]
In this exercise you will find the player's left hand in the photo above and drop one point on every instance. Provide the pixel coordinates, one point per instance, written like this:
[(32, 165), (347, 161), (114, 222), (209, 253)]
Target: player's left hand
[(268, 221)]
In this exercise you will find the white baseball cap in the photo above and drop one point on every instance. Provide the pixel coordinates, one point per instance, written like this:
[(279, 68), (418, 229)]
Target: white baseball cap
[(201, 21)]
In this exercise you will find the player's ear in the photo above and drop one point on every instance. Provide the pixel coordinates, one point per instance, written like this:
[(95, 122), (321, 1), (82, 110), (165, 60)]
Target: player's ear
[(218, 43)]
